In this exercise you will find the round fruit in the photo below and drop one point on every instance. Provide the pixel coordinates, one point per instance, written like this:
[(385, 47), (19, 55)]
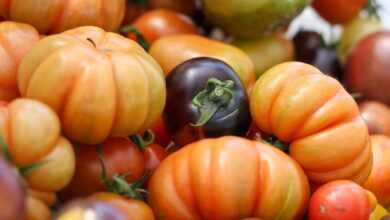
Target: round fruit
[(339, 11), (377, 117)]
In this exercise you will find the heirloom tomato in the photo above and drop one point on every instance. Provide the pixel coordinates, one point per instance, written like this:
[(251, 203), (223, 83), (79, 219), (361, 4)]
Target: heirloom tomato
[(160, 131), (367, 68), (12, 199), (341, 200), (377, 117), (100, 84), (339, 11), (378, 181), (133, 10), (157, 23), (15, 40), (36, 209), (50, 16), (186, 46), (184, 6), (31, 134), (228, 178), (205, 98), (317, 118)]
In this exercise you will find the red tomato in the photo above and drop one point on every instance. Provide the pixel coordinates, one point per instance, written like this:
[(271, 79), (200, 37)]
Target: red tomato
[(339, 11), (377, 117), (161, 134), (153, 155), (341, 200), (133, 11), (163, 22), (120, 156), (183, 6)]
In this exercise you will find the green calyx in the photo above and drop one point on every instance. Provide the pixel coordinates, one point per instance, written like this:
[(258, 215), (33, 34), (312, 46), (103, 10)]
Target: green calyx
[(216, 95), (275, 142), (140, 38), (117, 183), (372, 8), (142, 141)]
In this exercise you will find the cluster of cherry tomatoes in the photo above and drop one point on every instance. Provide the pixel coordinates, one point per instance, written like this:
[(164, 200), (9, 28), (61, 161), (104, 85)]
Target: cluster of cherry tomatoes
[(192, 110)]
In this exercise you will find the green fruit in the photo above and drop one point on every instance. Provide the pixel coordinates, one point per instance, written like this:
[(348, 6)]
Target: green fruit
[(252, 18), (353, 32), (267, 51)]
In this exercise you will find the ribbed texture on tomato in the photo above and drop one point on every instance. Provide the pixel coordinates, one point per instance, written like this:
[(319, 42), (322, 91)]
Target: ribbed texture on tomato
[(228, 178), (317, 118)]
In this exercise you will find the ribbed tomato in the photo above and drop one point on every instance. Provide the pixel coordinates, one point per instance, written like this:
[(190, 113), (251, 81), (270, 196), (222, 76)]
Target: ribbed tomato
[(15, 40), (228, 178), (101, 84), (319, 120), (51, 16)]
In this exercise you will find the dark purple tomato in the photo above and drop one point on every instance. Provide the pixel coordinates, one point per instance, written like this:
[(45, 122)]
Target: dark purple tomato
[(205, 98)]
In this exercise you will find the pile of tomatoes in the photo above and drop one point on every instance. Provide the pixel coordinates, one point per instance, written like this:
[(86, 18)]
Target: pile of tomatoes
[(192, 110)]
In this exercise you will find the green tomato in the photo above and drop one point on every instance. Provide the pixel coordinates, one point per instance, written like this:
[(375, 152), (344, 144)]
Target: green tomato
[(353, 32), (252, 18), (267, 51)]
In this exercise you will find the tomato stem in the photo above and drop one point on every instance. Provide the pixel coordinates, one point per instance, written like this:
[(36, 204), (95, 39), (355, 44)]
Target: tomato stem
[(275, 142), (217, 94), (142, 141), (140, 38), (372, 8), (92, 42)]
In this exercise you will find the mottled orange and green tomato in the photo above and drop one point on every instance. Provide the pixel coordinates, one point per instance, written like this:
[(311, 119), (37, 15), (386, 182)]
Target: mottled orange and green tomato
[(186, 46), (317, 118), (228, 178), (100, 84), (55, 16)]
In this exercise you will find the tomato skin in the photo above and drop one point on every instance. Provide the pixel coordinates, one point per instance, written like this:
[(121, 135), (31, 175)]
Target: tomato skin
[(154, 154), (120, 156), (124, 95), (100, 210), (377, 117), (12, 199), (15, 40), (367, 67), (157, 23), (133, 11), (379, 177), (184, 47), (58, 16), (184, 6), (340, 200), (204, 180), (339, 12), (379, 213), (37, 210), (314, 114), (160, 131)]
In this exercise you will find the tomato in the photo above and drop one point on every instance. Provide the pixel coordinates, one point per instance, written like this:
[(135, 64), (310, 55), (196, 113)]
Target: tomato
[(341, 200), (367, 67), (124, 95), (31, 131), (380, 174), (184, 6), (254, 133), (379, 213), (120, 157), (159, 129), (154, 154), (317, 118), (336, 11), (185, 47), (205, 98), (12, 199), (157, 23), (228, 178), (15, 40), (251, 19), (37, 210), (58, 16), (48, 198), (267, 52), (133, 11), (377, 117), (353, 32)]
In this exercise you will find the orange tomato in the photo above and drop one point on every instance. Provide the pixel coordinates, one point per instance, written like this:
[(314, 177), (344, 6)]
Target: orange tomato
[(339, 11), (15, 40), (32, 132), (378, 181), (50, 16), (157, 23), (171, 51), (100, 84), (228, 178), (37, 210), (377, 117), (319, 120)]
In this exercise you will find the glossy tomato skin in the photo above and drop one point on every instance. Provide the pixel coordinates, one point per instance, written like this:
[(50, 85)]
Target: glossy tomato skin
[(124, 95), (184, 83), (15, 40), (120, 156), (228, 178), (58, 16), (154, 154), (367, 67), (317, 118), (184, 6), (157, 23), (340, 200), (377, 117), (160, 131), (339, 12), (378, 180), (12, 199), (184, 47)]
